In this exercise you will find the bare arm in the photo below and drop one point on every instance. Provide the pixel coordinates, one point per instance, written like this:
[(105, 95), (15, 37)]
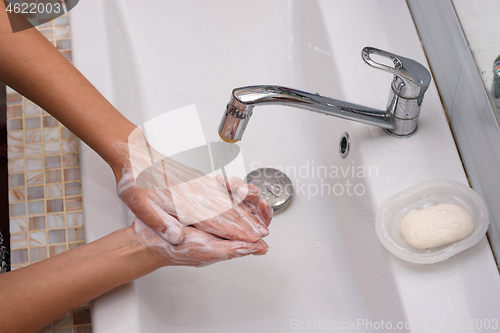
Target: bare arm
[(33, 296), (31, 65), (36, 69)]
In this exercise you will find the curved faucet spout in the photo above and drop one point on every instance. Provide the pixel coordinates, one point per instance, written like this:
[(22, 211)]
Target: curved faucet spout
[(408, 87), (243, 100)]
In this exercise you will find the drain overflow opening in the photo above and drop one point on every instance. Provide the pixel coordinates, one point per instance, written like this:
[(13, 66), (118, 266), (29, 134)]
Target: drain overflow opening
[(345, 143)]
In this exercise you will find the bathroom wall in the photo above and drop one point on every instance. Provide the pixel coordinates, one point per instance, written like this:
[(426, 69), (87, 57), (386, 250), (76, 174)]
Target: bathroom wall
[(4, 202), (45, 201)]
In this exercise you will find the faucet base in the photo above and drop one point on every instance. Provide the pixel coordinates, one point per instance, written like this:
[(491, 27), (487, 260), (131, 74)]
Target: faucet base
[(391, 133)]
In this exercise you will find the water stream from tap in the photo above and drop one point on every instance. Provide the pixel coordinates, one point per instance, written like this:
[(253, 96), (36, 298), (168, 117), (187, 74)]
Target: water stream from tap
[(220, 155)]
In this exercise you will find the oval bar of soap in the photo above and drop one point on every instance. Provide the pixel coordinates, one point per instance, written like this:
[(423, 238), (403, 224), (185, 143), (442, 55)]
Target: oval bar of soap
[(436, 225)]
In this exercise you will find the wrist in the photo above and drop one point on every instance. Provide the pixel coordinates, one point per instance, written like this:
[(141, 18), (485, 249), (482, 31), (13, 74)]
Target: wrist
[(142, 258), (122, 253), (129, 152)]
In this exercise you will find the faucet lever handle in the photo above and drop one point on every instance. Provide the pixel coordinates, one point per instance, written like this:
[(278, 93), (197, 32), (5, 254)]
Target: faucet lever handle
[(414, 78)]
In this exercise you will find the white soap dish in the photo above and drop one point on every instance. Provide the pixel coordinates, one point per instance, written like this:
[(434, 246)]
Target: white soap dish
[(423, 195)]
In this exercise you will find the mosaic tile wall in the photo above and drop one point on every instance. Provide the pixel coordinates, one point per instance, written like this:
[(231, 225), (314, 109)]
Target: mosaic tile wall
[(45, 200)]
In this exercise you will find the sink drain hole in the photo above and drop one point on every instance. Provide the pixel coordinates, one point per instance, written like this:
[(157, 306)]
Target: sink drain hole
[(345, 144)]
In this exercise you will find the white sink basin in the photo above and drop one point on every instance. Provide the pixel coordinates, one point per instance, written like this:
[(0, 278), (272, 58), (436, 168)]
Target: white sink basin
[(325, 269)]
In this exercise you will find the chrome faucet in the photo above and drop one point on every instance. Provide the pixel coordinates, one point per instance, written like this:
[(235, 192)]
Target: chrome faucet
[(408, 87)]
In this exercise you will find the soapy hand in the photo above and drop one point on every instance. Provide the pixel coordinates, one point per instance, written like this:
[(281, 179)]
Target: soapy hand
[(167, 195), (203, 204), (197, 248)]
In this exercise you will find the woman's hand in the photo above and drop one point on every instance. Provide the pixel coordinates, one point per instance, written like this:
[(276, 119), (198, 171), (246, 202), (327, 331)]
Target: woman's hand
[(232, 211), (77, 276), (197, 248), (167, 195)]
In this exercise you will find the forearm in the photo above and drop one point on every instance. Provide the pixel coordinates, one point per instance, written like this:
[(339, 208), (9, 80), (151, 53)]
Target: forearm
[(33, 296), (30, 64)]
